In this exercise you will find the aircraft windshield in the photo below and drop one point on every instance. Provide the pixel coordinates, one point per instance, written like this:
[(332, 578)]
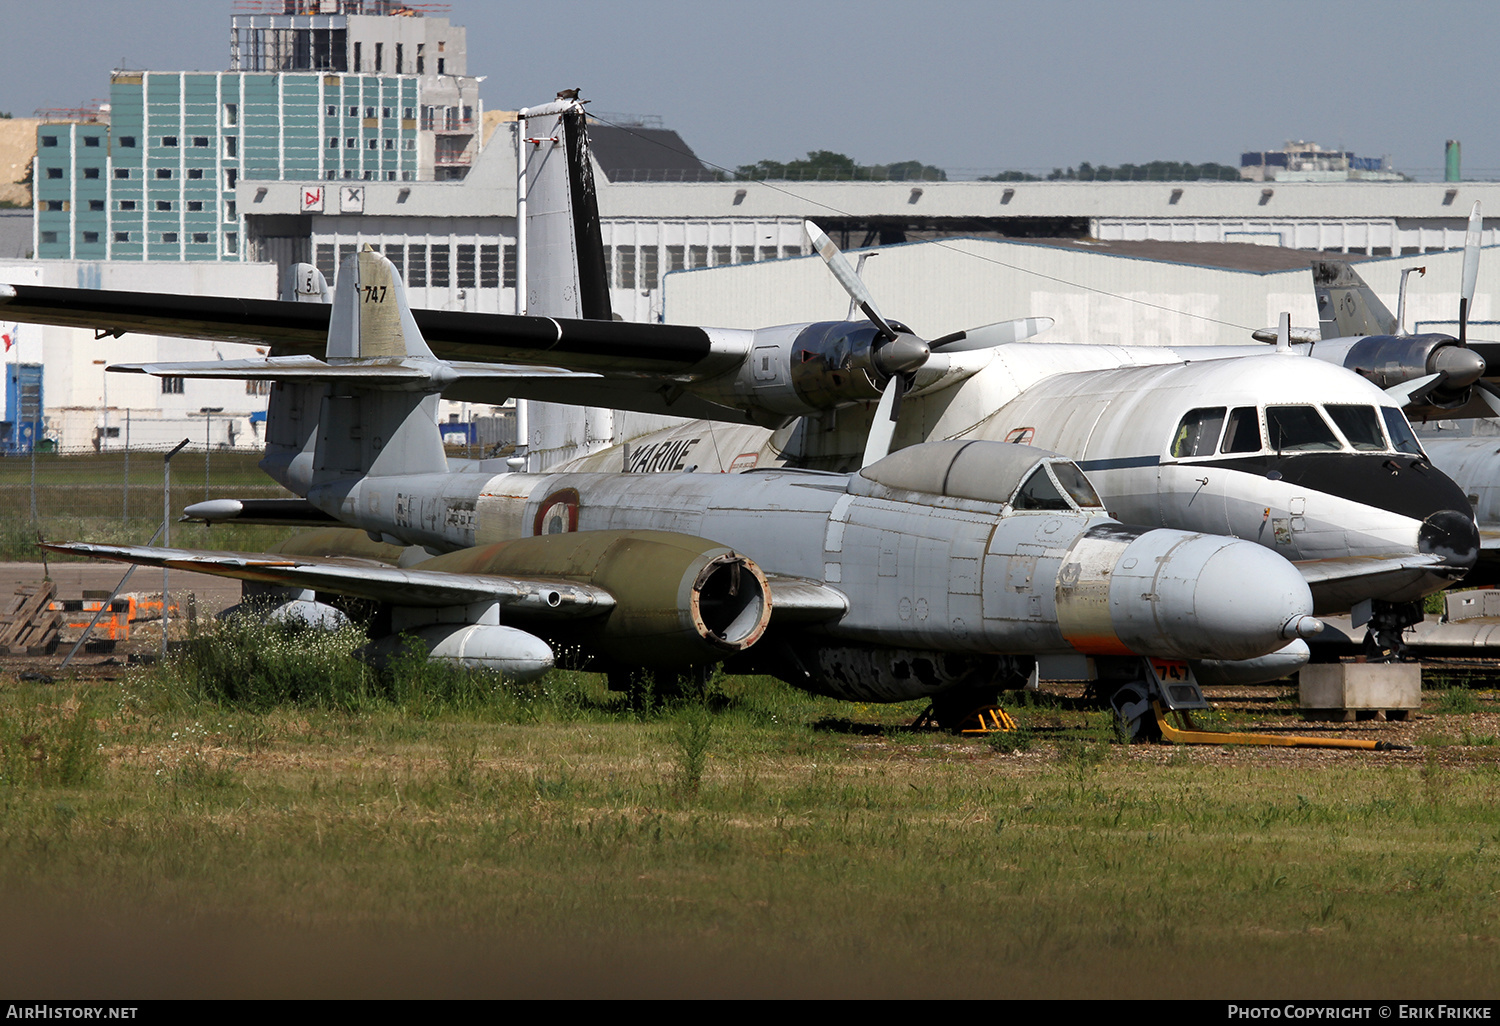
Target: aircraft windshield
[(1076, 485), (1040, 493), (1401, 433), (1207, 430), (1243, 433), (1299, 429), (1360, 425), (1198, 433)]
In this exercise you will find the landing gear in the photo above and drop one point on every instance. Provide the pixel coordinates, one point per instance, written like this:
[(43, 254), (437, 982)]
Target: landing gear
[(1134, 717), (1135, 689), (1388, 621)]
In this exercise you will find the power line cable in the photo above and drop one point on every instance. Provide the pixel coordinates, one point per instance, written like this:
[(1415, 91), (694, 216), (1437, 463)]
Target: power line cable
[(935, 242)]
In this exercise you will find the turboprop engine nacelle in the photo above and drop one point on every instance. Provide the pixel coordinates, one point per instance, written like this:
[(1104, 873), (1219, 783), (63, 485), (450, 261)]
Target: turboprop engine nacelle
[(796, 369), (679, 601), (1390, 360)]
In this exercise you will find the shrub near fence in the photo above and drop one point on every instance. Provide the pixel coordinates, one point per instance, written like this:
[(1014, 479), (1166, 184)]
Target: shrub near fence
[(116, 497)]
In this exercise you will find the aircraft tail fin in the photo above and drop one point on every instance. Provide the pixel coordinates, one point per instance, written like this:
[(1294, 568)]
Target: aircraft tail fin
[(371, 317), (382, 423), (565, 272), (1346, 305), (304, 283), (371, 408)]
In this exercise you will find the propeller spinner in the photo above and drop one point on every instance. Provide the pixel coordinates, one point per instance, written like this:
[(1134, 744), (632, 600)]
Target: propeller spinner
[(898, 354)]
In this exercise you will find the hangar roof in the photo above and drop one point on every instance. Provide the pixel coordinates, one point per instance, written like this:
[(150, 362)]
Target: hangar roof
[(1234, 256)]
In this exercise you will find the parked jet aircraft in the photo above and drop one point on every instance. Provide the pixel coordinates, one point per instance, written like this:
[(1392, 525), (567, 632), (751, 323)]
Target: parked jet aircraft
[(1315, 464), (939, 570)]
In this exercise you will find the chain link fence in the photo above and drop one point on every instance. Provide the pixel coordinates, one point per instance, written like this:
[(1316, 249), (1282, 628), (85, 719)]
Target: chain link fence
[(116, 497)]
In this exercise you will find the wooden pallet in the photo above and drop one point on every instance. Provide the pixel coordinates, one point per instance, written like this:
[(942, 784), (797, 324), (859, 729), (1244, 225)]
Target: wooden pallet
[(27, 625)]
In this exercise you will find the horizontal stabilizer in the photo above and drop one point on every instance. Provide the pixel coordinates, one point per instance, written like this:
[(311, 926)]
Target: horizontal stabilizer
[(361, 579)]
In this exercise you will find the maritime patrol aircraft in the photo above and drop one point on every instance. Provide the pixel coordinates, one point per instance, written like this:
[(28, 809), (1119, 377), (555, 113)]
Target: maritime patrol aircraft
[(1376, 344), (1302, 457), (935, 572)]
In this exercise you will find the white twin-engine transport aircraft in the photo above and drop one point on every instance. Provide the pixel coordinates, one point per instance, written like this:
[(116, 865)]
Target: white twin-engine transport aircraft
[(943, 570)]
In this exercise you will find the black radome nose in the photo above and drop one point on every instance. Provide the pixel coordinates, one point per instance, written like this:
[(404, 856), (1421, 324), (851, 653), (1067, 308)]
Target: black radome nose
[(1451, 535)]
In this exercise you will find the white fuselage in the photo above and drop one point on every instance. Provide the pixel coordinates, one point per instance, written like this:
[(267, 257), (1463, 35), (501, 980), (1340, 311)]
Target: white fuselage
[(1116, 410)]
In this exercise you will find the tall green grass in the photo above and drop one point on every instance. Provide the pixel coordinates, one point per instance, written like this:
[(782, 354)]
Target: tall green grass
[(259, 785)]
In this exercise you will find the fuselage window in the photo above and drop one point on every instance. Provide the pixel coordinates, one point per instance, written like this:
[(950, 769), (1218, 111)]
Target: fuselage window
[(1360, 425), (1299, 429), (1401, 434), (1040, 493), (1243, 433), (1198, 433), (1076, 485)]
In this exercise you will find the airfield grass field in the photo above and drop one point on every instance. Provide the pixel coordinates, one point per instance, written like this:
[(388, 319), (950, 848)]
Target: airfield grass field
[(263, 816)]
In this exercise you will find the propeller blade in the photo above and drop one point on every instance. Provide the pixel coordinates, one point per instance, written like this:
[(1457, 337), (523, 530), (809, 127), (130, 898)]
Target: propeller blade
[(846, 277), (1408, 391), (1471, 272), (1284, 333), (883, 427), (1490, 395), (991, 335)]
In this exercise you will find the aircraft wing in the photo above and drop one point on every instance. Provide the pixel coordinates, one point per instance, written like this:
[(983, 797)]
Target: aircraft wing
[(310, 368), (793, 599), (368, 580), (1326, 575), (1329, 571), (636, 363)]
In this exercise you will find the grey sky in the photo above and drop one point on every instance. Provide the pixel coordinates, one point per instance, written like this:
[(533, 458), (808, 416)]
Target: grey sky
[(958, 83)]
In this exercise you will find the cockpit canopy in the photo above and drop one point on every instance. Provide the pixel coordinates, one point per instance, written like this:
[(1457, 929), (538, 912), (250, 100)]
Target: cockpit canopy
[(1321, 427), (998, 472)]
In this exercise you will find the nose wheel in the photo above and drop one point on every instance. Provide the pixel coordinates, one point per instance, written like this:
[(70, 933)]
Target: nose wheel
[(1134, 715)]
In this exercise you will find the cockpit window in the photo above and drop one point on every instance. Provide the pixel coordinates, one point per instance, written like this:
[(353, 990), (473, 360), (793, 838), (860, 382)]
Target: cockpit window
[(1243, 433), (1076, 485), (1360, 425), (1038, 492), (1299, 429), (1198, 433), (1401, 434)]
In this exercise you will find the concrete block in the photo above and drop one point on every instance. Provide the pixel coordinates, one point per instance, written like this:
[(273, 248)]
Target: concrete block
[(1359, 686)]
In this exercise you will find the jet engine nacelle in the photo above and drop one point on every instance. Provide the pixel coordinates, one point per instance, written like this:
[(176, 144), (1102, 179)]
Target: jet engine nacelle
[(680, 601)]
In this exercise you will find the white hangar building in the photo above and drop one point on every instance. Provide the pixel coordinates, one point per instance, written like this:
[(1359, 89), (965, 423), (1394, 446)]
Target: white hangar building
[(951, 255)]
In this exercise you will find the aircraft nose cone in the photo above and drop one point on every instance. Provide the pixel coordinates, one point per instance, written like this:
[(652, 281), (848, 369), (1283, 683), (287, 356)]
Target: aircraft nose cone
[(1198, 596), (1451, 535), (1461, 366), (1251, 601)]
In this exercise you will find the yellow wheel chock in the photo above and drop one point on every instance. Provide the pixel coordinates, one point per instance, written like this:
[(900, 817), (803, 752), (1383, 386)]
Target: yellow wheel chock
[(1210, 737), (990, 719)]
